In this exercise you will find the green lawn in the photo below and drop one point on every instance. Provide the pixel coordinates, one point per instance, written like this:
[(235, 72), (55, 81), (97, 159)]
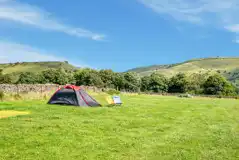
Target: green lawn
[(145, 127)]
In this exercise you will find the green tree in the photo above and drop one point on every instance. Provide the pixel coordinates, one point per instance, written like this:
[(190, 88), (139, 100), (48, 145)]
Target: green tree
[(56, 76), (88, 77), (71, 78), (196, 82), (42, 79), (218, 85), (132, 81), (119, 81), (158, 83), (145, 81), (28, 78), (62, 77), (178, 83), (6, 79), (48, 76), (107, 76), (237, 90)]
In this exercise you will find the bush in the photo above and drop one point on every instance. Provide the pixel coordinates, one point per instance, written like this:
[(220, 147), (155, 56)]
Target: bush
[(88, 77), (112, 92), (178, 83), (6, 79), (28, 78), (107, 77), (158, 83), (132, 81), (56, 76), (218, 85), (1, 95)]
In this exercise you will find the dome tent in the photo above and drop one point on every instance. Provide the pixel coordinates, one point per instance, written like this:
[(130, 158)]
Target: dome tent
[(73, 95)]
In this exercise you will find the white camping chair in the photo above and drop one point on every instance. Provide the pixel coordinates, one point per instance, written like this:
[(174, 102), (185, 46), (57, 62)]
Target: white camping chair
[(117, 100)]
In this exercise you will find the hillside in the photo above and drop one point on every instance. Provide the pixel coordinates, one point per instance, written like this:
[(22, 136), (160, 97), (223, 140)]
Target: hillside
[(197, 65), (228, 67), (16, 68)]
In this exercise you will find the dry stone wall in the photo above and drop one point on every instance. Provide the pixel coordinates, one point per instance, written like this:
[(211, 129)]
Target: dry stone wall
[(40, 88)]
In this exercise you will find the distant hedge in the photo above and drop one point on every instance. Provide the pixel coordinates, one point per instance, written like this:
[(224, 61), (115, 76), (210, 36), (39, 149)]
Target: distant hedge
[(130, 81)]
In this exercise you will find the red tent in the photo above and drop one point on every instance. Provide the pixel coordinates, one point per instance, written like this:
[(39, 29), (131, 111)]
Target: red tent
[(73, 95)]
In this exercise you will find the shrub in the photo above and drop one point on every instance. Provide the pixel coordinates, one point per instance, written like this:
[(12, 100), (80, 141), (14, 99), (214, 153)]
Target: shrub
[(132, 81), (1, 95), (112, 92), (88, 77), (156, 83), (6, 79), (218, 85), (107, 77), (178, 83), (28, 78), (145, 81), (56, 76)]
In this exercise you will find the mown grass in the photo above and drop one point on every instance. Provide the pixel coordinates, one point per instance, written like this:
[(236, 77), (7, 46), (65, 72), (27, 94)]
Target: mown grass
[(145, 127)]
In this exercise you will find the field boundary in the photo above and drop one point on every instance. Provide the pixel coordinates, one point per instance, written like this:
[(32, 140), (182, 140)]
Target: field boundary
[(48, 88), (39, 88)]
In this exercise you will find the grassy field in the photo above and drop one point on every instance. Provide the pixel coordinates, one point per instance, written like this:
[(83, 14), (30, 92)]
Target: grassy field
[(145, 127)]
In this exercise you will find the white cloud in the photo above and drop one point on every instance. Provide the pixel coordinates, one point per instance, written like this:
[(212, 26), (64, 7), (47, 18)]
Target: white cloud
[(26, 14), (233, 28), (216, 13), (197, 11), (13, 52)]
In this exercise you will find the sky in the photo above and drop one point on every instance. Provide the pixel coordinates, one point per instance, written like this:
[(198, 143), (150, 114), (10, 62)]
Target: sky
[(117, 34)]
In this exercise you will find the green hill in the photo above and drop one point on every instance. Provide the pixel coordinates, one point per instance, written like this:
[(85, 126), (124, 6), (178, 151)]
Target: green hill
[(228, 67), (16, 68)]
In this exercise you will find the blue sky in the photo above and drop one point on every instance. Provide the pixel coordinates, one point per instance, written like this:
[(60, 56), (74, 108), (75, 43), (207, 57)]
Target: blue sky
[(117, 34)]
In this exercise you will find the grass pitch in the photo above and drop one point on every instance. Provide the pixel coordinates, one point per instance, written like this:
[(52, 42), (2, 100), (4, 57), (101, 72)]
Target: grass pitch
[(145, 127)]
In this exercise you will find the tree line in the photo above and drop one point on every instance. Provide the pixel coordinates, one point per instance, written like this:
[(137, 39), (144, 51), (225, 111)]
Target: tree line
[(209, 84)]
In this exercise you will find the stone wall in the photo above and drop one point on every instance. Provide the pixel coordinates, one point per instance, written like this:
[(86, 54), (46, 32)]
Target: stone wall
[(40, 88)]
